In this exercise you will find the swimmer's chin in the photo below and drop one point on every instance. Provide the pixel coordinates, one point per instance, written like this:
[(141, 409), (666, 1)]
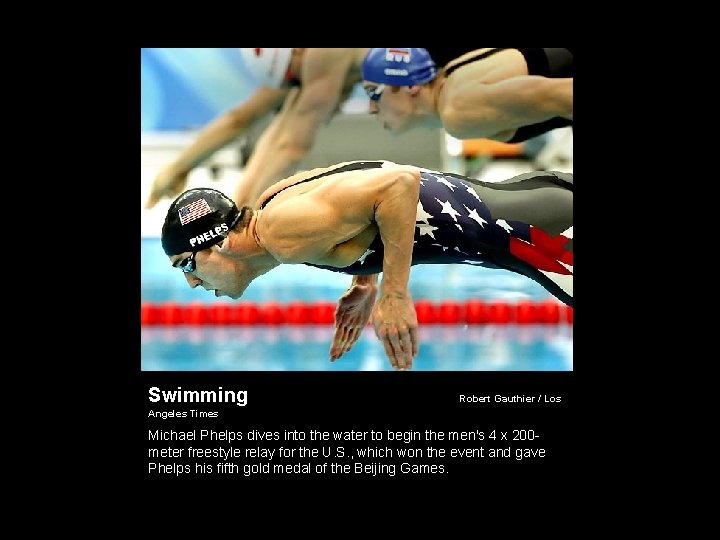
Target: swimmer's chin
[(218, 294)]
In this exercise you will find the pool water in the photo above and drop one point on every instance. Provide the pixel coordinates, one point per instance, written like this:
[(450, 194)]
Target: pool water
[(306, 348), (488, 347)]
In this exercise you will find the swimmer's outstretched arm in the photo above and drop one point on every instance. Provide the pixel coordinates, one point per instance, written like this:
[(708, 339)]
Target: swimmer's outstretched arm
[(394, 316), (282, 147), (353, 313), (310, 226), (471, 110), (212, 137)]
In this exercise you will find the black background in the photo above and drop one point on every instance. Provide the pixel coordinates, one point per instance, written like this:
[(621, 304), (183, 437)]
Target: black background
[(114, 396), (364, 401)]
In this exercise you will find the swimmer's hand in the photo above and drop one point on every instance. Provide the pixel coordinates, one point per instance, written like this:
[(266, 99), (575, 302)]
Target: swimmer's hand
[(168, 183), (396, 326), (352, 314)]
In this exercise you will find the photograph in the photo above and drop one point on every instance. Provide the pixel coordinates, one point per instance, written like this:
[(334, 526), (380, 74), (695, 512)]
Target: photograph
[(356, 210)]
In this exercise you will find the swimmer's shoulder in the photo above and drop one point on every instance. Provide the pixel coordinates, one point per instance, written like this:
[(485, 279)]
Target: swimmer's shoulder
[(362, 167), (336, 171)]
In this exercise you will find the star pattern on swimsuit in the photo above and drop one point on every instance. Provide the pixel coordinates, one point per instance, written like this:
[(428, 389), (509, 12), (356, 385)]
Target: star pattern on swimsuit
[(504, 224), (443, 180), (472, 214), (421, 214), (443, 239), (428, 229), (472, 192), (448, 209), (422, 218)]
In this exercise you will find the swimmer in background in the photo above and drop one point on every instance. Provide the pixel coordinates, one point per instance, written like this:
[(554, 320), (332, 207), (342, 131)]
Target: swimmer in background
[(366, 217), (508, 95), (303, 88)]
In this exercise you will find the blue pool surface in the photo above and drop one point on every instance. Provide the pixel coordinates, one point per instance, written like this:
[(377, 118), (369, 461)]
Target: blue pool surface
[(305, 348)]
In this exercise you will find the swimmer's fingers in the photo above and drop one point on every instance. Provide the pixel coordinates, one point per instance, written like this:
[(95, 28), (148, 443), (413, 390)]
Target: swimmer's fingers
[(337, 347), (151, 202), (400, 346), (353, 334), (414, 341), (166, 184), (343, 340), (395, 323), (351, 316)]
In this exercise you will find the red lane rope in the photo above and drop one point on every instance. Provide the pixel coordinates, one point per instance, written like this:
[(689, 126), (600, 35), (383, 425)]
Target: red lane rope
[(273, 313)]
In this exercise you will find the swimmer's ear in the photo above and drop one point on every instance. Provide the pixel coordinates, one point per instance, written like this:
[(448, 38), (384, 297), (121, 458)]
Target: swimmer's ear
[(413, 90), (224, 246)]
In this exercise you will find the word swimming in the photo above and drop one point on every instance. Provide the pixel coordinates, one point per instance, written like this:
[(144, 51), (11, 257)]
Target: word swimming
[(198, 396)]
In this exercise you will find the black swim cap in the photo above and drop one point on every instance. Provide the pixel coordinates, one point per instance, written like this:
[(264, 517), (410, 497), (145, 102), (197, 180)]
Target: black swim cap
[(197, 219)]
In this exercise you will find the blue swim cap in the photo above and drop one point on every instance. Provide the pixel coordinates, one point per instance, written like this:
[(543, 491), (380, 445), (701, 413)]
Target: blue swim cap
[(398, 67)]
